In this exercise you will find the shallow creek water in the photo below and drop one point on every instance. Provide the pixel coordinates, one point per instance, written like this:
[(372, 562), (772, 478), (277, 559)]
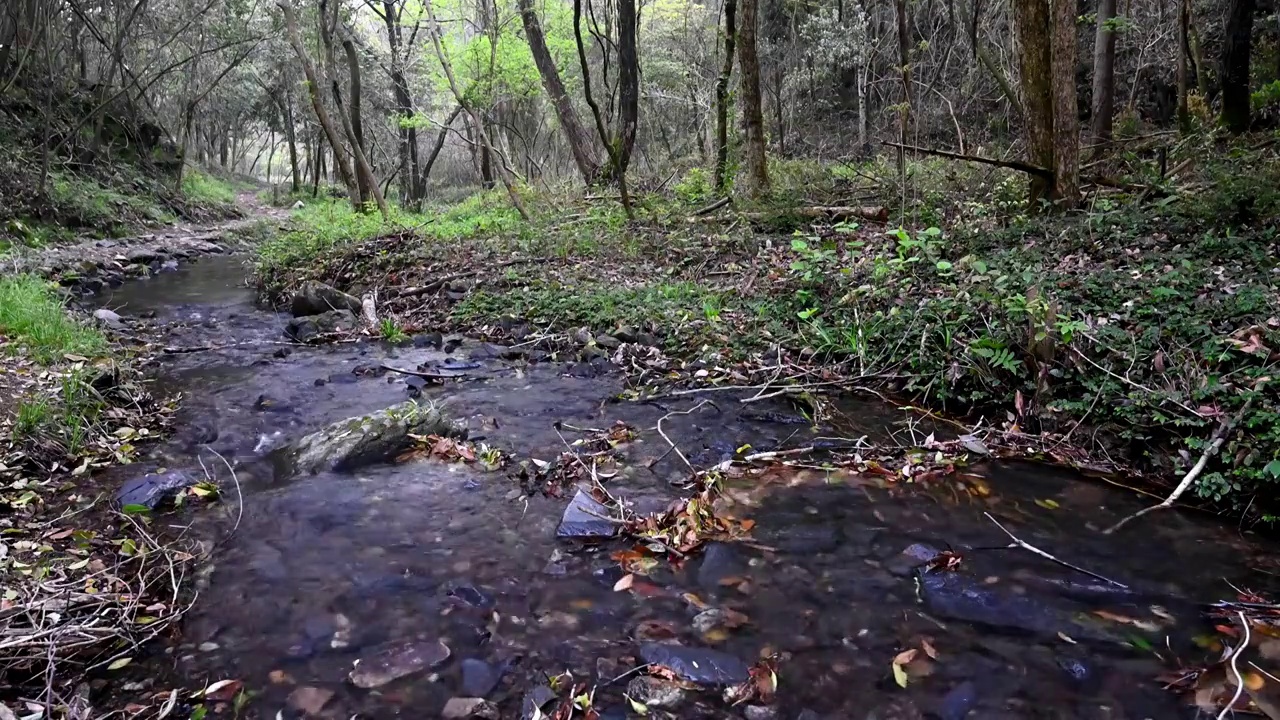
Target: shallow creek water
[(320, 569)]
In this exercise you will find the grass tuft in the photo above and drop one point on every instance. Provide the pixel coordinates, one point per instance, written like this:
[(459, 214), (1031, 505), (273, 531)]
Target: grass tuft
[(32, 316)]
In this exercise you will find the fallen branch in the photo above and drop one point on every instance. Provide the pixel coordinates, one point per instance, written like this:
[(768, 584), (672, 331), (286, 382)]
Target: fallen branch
[(438, 282), (1011, 164), (1235, 669), (1215, 443), (822, 212), (424, 374), (712, 207), (1018, 543), (673, 445)]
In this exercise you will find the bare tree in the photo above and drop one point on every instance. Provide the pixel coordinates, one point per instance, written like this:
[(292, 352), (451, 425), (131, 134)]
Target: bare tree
[(752, 113), (722, 97), (1104, 78)]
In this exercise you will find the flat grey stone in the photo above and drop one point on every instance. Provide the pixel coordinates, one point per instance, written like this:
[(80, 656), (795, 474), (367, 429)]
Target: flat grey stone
[(584, 519)]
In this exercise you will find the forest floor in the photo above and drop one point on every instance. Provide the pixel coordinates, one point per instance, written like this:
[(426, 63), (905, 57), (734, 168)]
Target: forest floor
[(1121, 339)]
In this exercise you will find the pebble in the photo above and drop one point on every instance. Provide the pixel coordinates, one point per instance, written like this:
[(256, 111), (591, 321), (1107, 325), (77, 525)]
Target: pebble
[(460, 708), (653, 692)]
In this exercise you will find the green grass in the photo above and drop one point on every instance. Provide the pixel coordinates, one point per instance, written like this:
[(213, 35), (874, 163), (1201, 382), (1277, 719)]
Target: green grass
[(33, 316), (205, 189)]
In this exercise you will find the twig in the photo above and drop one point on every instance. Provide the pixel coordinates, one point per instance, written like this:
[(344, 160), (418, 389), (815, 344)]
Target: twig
[(712, 207), (692, 469), (1031, 548), (1235, 669), (1131, 383), (1011, 164), (1215, 443), (423, 373), (239, 493)]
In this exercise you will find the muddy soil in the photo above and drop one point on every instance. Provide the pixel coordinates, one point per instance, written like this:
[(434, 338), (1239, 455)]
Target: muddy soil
[(315, 572)]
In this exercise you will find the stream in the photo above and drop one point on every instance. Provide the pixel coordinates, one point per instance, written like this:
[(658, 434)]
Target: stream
[(314, 572)]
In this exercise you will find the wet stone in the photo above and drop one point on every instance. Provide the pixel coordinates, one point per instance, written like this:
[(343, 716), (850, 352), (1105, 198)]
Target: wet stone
[(719, 561), (534, 700), (696, 665), (655, 692), (309, 700), (479, 678), (608, 341), (460, 708), (910, 559), (316, 298), (343, 379), (471, 596), (154, 489), (957, 597), (397, 660), (584, 519), (761, 712), (958, 701), (802, 539), (428, 340)]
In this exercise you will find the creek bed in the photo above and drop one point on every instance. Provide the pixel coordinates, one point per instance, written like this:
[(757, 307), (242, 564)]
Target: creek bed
[(324, 569)]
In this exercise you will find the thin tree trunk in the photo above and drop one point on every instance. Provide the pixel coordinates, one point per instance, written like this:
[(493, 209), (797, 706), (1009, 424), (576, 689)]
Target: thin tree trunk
[(434, 32), (439, 145), (322, 114), (628, 95), (1104, 82), (366, 183), (580, 142), (292, 134), (1031, 23), (1235, 66), (1066, 112), (752, 113), (1184, 59), (904, 58), (722, 97)]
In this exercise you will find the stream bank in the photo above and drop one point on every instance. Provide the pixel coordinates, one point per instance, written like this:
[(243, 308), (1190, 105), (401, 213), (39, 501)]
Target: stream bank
[(337, 593)]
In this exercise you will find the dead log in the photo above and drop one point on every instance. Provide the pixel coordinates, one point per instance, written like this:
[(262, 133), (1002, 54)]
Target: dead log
[(836, 213), (1011, 164)]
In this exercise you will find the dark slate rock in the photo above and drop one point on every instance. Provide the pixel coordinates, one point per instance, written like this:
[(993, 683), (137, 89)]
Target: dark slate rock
[(304, 329), (345, 378), (451, 343), (479, 678), (489, 351), (957, 597), (696, 665), (958, 701), (655, 692), (802, 539), (457, 365), (431, 339), (912, 557), (535, 699), (472, 596), (154, 489), (583, 519), (719, 561), (608, 341)]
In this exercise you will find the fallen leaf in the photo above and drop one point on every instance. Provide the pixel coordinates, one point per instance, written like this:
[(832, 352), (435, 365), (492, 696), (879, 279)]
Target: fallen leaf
[(900, 675), (1066, 638), (624, 583), (221, 690), (1047, 504), (905, 656), (119, 663), (928, 648)]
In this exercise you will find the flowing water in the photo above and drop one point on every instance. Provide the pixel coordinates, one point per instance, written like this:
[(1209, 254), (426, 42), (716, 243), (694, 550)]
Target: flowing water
[(313, 572)]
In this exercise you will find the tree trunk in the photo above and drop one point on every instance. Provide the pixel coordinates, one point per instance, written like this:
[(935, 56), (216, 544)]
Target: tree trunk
[(1235, 66), (1184, 60), (904, 58), (434, 32), (752, 113), (1066, 111), (366, 185), (722, 98), (1031, 24), (435, 150), (1104, 59), (580, 142), (357, 125), (629, 84), (322, 114), (292, 134)]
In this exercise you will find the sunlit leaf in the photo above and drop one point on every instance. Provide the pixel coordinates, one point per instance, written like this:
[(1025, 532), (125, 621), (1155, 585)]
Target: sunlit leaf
[(119, 663), (900, 675)]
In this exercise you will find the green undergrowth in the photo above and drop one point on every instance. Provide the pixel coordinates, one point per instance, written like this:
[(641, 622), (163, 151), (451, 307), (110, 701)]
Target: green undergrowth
[(1135, 327), (48, 396)]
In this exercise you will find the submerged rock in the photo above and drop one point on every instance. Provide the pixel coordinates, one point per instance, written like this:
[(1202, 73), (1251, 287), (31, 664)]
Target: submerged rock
[(305, 329), (720, 561), (154, 489), (479, 678), (392, 662), (958, 701), (957, 597), (585, 518), (314, 298), (654, 692), (366, 439), (696, 665), (534, 700), (460, 708), (109, 318)]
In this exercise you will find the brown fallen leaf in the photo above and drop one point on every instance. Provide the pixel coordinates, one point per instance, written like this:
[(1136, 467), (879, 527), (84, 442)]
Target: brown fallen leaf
[(625, 582)]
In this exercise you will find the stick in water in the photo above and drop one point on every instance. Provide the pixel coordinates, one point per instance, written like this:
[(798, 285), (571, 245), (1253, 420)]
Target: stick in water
[(1032, 548)]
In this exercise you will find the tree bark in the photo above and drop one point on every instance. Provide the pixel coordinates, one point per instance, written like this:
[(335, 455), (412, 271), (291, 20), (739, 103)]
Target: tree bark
[(317, 103), (1235, 66), (366, 185), (580, 142), (752, 113), (1031, 25), (1184, 59), (357, 125), (1104, 59), (629, 84), (722, 97), (434, 32), (904, 59), (435, 150), (1066, 111)]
